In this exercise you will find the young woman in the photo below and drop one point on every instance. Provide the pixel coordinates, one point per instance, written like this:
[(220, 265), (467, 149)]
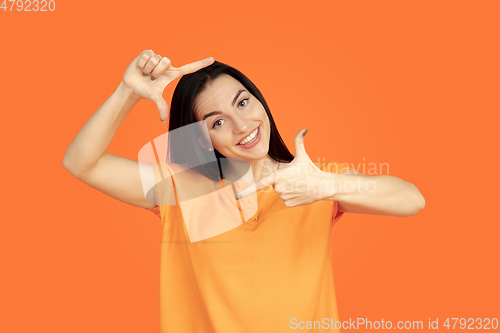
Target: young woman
[(270, 273)]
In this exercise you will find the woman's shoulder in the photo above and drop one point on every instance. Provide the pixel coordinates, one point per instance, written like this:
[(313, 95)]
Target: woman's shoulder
[(177, 168), (165, 173), (182, 173)]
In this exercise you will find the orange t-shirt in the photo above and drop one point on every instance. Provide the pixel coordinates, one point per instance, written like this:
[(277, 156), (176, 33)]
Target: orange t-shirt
[(267, 274)]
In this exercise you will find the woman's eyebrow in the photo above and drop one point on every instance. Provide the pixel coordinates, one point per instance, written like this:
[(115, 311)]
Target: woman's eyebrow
[(213, 113), (237, 94), (218, 112)]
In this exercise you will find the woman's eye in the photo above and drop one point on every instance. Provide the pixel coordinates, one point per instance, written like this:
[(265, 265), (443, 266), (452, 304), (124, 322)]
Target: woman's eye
[(218, 123), (243, 100)]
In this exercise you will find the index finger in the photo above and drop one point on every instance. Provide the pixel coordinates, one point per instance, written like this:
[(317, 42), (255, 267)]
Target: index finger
[(194, 66), (258, 185)]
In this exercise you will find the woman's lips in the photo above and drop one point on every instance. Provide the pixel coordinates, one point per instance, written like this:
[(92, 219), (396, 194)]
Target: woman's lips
[(249, 137), (253, 143)]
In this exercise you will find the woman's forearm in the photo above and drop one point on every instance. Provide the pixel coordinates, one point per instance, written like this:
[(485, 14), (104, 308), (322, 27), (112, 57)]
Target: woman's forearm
[(95, 136), (378, 195)]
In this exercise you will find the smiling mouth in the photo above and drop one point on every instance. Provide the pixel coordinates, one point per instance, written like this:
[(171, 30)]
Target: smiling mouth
[(250, 138)]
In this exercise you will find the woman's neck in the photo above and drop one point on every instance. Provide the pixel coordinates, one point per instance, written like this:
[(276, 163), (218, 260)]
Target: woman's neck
[(238, 169)]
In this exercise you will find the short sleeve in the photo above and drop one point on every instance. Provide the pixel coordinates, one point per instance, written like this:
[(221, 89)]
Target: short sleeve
[(164, 188), (338, 214), (155, 210)]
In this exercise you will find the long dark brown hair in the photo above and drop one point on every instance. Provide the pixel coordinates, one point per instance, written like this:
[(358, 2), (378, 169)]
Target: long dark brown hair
[(184, 148)]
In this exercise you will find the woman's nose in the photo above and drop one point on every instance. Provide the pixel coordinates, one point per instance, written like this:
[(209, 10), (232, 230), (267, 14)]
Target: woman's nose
[(241, 125)]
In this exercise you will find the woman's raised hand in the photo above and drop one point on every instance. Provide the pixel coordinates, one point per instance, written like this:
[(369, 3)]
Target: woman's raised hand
[(149, 74)]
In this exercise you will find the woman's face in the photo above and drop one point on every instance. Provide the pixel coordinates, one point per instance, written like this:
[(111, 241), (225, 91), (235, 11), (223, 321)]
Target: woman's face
[(236, 121)]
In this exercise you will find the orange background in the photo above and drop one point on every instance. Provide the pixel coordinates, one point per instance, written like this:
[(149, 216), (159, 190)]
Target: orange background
[(415, 85)]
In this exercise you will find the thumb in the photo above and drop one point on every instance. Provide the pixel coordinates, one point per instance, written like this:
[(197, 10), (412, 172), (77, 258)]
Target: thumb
[(162, 107), (300, 149), (258, 185)]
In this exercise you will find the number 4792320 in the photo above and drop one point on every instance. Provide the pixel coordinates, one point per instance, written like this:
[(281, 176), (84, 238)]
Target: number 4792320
[(28, 5)]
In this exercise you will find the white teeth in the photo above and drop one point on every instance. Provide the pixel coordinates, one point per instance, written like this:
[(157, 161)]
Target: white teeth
[(249, 138)]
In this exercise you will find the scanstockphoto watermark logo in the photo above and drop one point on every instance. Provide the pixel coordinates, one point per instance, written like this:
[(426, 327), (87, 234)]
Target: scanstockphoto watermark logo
[(354, 324), (367, 324)]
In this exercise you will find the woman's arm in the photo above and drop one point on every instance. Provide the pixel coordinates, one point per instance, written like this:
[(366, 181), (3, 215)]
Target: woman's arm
[(116, 176), (146, 77), (377, 195), (302, 183), (91, 142)]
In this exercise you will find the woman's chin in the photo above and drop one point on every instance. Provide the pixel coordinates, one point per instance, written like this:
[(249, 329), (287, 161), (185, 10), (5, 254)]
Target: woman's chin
[(255, 153), (257, 156)]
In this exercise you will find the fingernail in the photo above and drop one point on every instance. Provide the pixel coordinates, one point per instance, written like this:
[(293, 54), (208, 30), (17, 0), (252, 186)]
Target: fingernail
[(144, 74), (304, 134), (163, 121), (152, 78), (238, 197)]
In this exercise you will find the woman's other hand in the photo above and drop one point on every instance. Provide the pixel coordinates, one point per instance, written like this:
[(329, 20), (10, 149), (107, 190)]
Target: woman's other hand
[(149, 74), (301, 182)]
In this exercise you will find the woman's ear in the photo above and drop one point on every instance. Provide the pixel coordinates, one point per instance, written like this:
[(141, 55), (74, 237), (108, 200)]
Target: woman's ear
[(205, 144)]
